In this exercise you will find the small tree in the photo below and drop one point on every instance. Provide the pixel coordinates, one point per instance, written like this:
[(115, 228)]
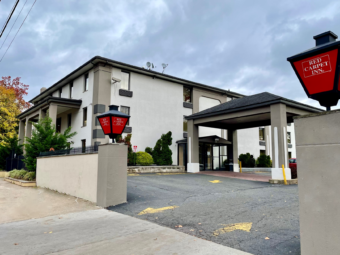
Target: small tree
[(162, 154), (10, 145), (44, 137)]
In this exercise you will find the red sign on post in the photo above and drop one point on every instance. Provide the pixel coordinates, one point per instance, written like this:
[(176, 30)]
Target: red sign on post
[(135, 148)]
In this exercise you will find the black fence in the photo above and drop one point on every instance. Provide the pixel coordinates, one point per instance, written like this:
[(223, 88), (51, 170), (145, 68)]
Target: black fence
[(73, 151), (15, 163)]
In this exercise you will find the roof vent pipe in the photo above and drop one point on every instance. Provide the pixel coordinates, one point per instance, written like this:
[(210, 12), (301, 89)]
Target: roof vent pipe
[(42, 89), (325, 37)]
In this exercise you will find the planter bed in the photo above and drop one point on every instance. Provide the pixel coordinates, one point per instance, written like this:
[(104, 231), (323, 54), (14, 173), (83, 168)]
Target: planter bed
[(22, 183), (155, 169)]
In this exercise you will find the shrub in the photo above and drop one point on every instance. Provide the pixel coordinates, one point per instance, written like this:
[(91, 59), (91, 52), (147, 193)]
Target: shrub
[(247, 160), (144, 158), (148, 150), (17, 174), (127, 141), (162, 154), (30, 176), (263, 161)]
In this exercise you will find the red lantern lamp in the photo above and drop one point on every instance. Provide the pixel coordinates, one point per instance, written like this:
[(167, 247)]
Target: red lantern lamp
[(318, 69), (113, 122)]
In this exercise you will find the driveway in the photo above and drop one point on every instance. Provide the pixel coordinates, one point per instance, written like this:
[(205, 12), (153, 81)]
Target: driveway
[(256, 217)]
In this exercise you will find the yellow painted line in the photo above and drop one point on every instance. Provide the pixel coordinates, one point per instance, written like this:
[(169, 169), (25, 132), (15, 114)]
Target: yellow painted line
[(169, 173), (244, 226), (157, 210), (215, 181), (133, 174)]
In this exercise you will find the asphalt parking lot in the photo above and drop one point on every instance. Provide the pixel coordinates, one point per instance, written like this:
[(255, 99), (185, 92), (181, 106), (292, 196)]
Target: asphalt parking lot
[(256, 217)]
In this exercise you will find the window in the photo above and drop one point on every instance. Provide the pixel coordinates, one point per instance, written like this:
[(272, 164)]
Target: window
[(288, 138), (71, 89), (125, 82), (261, 134), (86, 82), (60, 92), (290, 156), (262, 152), (69, 119), (186, 94), (126, 110), (84, 116), (185, 124), (58, 125), (83, 146)]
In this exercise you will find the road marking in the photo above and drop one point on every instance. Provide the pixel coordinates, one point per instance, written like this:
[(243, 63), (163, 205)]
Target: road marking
[(133, 174), (215, 181), (157, 210), (244, 226)]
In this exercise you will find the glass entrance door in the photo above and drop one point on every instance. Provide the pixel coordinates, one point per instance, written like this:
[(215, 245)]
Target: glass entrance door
[(209, 156), (216, 157)]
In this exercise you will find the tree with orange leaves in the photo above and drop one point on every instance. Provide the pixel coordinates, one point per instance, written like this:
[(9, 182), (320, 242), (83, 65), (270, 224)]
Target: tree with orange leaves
[(19, 89)]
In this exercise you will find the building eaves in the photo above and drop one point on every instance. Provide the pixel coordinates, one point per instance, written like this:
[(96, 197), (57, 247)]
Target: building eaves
[(98, 59)]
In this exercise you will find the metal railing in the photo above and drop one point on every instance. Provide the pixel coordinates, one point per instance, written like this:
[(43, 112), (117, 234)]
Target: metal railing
[(72, 151)]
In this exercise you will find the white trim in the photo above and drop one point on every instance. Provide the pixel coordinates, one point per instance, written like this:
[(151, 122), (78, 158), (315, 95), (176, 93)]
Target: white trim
[(189, 149), (193, 167), (285, 145), (276, 146)]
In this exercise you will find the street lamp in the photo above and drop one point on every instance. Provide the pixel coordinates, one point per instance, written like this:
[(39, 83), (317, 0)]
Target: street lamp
[(113, 122), (318, 69)]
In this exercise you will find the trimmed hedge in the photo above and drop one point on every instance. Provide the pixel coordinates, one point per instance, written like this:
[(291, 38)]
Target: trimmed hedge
[(263, 161), (144, 158), (22, 174)]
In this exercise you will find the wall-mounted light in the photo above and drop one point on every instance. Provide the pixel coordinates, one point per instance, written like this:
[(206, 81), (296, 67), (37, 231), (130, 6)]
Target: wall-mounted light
[(115, 80)]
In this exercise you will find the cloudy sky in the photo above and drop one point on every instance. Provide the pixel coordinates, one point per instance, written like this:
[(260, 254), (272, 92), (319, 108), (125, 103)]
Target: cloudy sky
[(238, 45)]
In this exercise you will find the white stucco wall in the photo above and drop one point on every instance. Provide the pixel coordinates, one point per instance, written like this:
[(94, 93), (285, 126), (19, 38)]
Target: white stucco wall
[(75, 175), (248, 141), (206, 103), (155, 109), (77, 114)]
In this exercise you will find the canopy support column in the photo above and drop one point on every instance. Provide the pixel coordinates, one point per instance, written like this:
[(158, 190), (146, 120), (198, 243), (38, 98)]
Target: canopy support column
[(193, 165)]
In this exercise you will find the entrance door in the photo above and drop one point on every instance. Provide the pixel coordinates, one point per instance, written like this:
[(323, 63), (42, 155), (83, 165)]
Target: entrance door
[(209, 157), (216, 157)]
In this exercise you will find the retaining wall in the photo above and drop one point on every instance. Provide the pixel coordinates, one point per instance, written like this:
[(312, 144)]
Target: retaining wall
[(156, 169)]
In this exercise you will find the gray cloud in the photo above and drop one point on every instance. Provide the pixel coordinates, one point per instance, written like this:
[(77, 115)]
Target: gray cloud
[(237, 45)]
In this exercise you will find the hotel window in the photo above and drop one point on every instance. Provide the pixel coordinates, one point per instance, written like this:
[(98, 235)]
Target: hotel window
[(84, 116), (60, 92), (186, 94), (125, 81), (71, 89), (289, 140), (261, 134), (69, 120), (262, 152), (83, 146), (126, 110), (86, 82), (185, 124)]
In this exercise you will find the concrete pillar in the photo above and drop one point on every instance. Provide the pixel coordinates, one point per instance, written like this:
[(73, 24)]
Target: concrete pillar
[(193, 148), (233, 149), (21, 131), (52, 113), (112, 175), (267, 139), (42, 114), (101, 101), (278, 117), (28, 129)]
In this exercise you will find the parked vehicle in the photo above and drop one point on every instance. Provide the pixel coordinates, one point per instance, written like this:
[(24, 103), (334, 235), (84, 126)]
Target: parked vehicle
[(293, 167)]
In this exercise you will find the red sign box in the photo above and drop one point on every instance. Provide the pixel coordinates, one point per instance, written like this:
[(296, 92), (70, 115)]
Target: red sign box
[(317, 72), (118, 124), (105, 123)]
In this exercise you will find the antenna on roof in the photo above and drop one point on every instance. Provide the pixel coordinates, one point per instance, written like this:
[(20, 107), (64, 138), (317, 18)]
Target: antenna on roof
[(164, 66), (150, 65)]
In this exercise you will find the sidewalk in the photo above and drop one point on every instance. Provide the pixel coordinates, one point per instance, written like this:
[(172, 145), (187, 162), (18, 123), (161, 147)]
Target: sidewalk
[(242, 176)]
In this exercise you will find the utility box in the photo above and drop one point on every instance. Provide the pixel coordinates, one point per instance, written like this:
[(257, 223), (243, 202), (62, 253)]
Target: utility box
[(318, 150)]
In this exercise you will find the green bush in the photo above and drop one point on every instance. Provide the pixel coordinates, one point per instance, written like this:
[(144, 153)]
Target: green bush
[(17, 174), (247, 160), (148, 150), (162, 154), (30, 176), (144, 159), (263, 161)]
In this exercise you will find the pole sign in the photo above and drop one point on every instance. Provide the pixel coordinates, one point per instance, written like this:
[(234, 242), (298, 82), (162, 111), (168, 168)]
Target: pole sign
[(135, 148), (113, 122), (318, 69)]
